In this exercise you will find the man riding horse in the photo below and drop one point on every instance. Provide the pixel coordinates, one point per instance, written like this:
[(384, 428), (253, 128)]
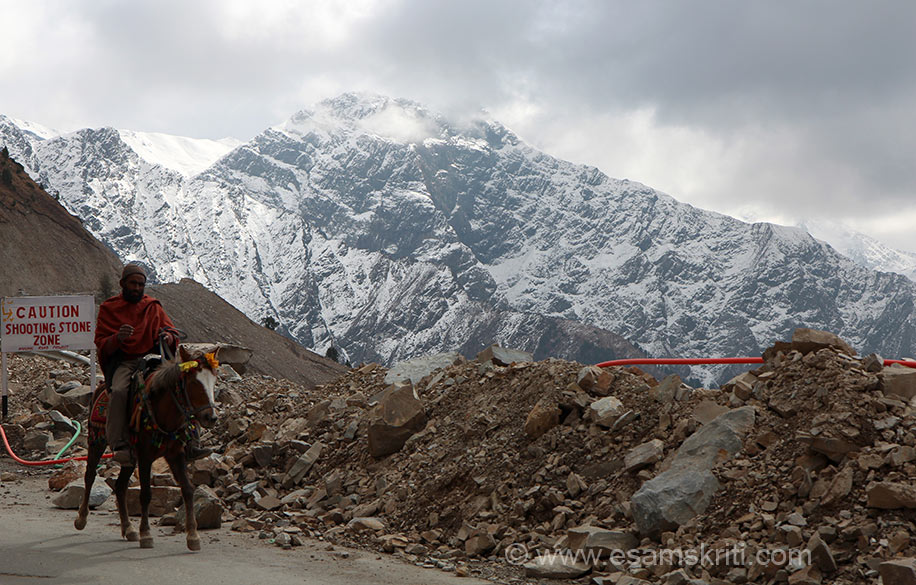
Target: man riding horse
[(128, 328)]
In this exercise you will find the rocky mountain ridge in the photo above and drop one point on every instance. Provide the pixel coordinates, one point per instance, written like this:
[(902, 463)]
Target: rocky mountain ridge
[(384, 229)]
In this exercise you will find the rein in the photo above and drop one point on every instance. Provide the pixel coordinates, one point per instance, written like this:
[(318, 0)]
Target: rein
[(186, 414)]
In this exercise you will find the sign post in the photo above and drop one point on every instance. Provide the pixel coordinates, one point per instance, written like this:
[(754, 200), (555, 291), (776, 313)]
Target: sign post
[(45, 324), (5, 405)]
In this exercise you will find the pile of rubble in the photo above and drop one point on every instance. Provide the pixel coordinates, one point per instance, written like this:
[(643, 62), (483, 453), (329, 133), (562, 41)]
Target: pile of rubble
[(797, 471)]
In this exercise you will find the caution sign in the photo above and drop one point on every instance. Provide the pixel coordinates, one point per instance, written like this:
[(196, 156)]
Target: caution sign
[(47, 323)]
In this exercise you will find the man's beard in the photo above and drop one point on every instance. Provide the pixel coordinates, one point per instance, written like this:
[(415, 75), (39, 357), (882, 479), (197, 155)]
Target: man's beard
[(131, 296)]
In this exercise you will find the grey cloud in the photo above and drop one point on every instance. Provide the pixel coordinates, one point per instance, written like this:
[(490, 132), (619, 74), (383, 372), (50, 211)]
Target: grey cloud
[(825, 90)]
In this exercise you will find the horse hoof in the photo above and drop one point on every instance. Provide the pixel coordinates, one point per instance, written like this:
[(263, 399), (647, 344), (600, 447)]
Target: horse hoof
[(132, 536), (79, 523), (146, 542), (194, 544)]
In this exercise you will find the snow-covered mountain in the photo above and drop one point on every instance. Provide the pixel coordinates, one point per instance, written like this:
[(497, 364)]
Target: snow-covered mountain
[(388, 230), (862, 249)]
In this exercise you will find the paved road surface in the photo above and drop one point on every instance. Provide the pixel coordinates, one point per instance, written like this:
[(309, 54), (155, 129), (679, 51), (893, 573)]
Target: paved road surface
[(39, 546)]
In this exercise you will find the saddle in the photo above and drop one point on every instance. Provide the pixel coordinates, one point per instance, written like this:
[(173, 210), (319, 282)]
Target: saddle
[(150, 362)]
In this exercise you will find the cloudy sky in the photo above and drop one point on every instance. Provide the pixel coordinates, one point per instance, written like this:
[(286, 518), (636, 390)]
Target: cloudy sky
[(777, 111)]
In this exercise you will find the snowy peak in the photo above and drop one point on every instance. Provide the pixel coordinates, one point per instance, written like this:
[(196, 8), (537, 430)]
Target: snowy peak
[(357, 106), (399, 121), (188, 156), (36, 130), (862, 249)]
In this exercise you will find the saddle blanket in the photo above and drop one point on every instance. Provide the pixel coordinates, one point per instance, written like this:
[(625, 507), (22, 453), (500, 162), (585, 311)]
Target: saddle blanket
[(99, 413)]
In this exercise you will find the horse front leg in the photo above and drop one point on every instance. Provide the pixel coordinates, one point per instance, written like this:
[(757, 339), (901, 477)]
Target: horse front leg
[(146, 496), (179, 469), (92, 462), (127, 529)]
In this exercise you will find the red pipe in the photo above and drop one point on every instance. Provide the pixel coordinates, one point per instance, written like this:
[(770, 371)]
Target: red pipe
[(698, 361), (680, 361), (9, 450), (907, 363)]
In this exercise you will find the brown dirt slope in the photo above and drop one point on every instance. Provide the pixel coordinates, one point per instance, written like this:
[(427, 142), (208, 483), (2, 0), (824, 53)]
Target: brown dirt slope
[(205, 317), (45, 249)]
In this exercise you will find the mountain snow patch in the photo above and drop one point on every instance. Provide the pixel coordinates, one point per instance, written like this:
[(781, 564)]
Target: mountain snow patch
[(188, 156)]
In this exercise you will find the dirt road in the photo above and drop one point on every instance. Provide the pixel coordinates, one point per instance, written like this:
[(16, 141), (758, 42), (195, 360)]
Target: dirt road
[(38, 545)]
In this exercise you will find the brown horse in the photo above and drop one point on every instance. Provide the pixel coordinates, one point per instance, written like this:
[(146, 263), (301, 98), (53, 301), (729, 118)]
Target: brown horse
[(175, 398)]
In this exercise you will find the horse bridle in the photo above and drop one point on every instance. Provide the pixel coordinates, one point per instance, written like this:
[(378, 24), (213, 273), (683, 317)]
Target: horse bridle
[(186, 408)]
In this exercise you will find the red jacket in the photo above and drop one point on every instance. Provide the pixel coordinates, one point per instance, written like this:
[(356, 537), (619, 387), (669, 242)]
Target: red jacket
[(147, 317)]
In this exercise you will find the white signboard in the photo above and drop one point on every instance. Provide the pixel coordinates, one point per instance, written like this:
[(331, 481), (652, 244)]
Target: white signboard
[(47, 323)]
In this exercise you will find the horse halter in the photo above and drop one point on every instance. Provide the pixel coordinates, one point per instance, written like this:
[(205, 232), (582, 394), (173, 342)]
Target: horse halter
[(182, 400), (186, 368)]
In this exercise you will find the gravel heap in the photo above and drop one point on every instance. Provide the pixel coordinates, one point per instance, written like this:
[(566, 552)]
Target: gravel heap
[(490, 458)]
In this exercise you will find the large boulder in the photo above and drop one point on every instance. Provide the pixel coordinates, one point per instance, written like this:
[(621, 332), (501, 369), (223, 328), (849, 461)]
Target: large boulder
[(501, 356), (418, 368), (302, 465), (667, 389), (742, 385), (673, 497), (595, 380), (898, 571), (71, 496), (81, 395), (644, 455), (544, 416), (723, 437), (227, 353), (605, 411), (163, 501), (36, 440), (397, 416), (207, 509), (899, 381), (807, 340), (70, 472), (600, 541), (889, 495), (70, 405)]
